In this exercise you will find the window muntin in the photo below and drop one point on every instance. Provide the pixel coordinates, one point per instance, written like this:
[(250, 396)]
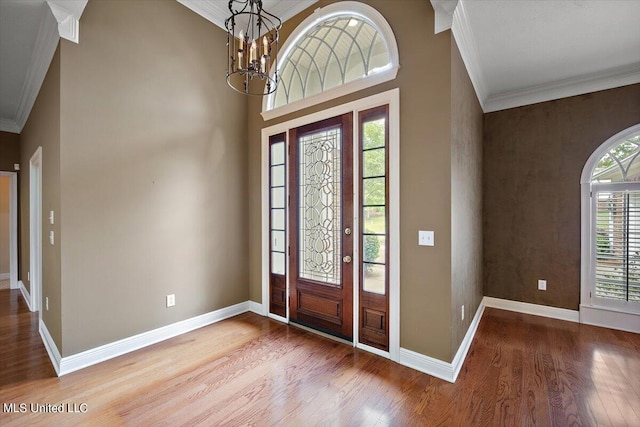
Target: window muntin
[(619, 164), (374, 167), (335, 52)]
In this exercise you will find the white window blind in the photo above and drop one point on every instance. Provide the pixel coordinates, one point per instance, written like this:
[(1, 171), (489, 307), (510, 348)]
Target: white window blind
[(617, 248)]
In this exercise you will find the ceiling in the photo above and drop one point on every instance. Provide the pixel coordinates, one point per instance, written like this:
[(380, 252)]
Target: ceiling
[(517, 52)]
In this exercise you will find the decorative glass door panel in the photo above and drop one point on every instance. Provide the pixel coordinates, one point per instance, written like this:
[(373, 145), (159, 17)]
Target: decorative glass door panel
[(321, 271)]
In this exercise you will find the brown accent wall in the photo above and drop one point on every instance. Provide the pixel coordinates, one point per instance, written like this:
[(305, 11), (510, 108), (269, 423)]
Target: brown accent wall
[(43, 130), (424, 80), (533, 159), (9, 150), (153, 177), (466, 199)]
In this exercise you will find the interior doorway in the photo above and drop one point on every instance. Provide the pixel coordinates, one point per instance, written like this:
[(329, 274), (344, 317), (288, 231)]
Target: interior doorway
[(9, 229)]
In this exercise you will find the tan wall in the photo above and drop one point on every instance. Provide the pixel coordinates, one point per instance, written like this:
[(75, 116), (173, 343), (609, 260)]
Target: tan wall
[(466, 199), (154, 165), (424, 80), (533, 159), (5, 183), (43, 130), (9, 150)]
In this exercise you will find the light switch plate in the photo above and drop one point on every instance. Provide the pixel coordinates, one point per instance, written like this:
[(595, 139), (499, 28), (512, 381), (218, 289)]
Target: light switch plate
[(171, 300), (51, 217), (51, 237), (426, 238), (542, 285)]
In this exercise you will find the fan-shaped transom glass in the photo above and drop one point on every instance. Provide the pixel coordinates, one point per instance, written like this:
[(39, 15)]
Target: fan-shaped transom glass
[(620, 163), (334, 52)]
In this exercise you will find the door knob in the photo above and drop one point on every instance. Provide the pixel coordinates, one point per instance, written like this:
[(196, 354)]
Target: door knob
[(346, 259), (347, 231)]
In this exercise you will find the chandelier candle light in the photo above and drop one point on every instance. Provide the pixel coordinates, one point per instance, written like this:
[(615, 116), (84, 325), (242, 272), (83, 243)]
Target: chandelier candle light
[(248, 72)]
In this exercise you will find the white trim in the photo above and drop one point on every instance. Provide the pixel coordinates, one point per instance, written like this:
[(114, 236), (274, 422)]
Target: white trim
[(349, 8), (68, 17), (35, 230), (534, 309), (51, 347), (391, 98), (609, 318), (590, 165), (444, 10), (563, 88), (463, 35), (278, 318), (8, 125), (96, 355), (256, 307), (43, 51), (438, 368), (590, 311), (12, 276), (25, 294)]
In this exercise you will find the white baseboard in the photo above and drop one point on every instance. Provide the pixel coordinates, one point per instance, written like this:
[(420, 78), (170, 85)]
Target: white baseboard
[(5, 276), (96, 355), (25, 294), (438, 368), (609, 318), (535, 309), (50, 346), (256, 307)]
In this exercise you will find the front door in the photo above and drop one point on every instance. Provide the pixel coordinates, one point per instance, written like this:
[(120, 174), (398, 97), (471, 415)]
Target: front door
[(321, 216)]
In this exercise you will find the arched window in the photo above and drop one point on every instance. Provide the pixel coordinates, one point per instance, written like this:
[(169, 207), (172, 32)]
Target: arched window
[(611, 224), (341, 48)]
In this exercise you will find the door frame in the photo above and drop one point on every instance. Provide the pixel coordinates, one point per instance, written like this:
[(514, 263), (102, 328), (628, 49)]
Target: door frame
[(35, 230), (391, 98), (13, 228)]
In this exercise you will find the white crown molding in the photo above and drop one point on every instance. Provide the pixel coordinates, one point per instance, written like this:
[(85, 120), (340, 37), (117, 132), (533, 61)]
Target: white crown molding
[(444, 14), (43, 50), (463, 35), (217, 11), (68, 13), (8, 125), (564, 88)]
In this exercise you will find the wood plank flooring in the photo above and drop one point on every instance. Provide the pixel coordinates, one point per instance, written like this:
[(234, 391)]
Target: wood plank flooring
[(250, 370)]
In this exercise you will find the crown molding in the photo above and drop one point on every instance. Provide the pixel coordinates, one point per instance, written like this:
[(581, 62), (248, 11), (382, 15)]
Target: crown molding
[(469, 52), (444, 14), (8, 125), (564, 88), (68, 13), (43, 50)]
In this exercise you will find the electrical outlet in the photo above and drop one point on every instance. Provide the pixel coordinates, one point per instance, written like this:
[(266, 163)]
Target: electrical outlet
[(542, 285), (171, 300), (426, 238), (28, 275), (46, 303), (463, 312)]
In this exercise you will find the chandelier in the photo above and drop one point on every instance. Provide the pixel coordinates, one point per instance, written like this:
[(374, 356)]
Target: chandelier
[(253, 50)]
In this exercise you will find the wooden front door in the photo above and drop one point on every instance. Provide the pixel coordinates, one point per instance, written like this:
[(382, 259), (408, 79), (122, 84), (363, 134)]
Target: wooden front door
[(321, 215)]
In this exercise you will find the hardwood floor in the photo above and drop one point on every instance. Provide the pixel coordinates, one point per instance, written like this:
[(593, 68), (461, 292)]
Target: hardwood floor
[(250, 370)]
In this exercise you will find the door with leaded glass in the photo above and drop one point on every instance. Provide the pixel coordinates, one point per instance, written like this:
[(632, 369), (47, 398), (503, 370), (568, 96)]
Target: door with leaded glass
[(320, 219)]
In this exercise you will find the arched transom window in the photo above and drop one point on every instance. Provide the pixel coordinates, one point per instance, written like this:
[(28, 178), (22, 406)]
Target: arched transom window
[(341, 48), (611, 193), (620, 163)]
